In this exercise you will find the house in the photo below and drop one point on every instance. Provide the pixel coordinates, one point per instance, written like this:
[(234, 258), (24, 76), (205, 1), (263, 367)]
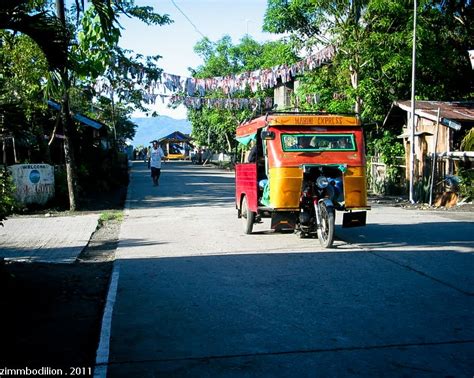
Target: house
[(455, 120), (441, 135)]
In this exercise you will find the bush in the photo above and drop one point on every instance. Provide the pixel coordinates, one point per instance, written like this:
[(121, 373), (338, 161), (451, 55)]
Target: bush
[(110, 216), (61, 194), (7, 199), (466, 185), (390, 151), (102, 171)]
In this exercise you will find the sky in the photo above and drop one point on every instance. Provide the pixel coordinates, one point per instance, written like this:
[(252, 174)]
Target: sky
[(175, 42)]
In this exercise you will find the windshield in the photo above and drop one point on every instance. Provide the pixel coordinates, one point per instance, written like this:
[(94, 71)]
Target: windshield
[(318, 142)]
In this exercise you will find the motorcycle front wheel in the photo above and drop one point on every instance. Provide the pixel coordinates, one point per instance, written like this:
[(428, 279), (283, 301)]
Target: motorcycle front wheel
[(326, 228)]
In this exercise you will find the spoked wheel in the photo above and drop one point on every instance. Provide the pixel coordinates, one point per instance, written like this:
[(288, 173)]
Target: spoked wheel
[(326, 228), (248, 217)]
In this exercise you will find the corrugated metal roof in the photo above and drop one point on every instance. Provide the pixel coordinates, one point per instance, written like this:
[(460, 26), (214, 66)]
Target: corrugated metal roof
[(176, 136), (452, 114), (78, 116)]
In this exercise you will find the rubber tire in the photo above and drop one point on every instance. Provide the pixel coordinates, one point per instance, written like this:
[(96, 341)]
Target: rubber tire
[(248, 217), (326, 228)]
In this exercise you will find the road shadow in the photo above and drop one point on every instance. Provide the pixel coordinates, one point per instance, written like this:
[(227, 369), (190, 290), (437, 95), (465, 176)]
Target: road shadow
[(181, 185), (66, 255), (449, 235), (201, 313)]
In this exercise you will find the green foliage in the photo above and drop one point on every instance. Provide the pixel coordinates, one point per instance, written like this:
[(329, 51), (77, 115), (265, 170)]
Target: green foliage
[(391, 152), (22, 70), (466, 183), (109, 216), (388, 148), (96, 54), (93, 52), (223, 58), (467, 143), (215, 128), (301, 17), (22, 106), (372, 66), (329, 90), (7, 200), (61, 196), (77, 50), (35, 19)]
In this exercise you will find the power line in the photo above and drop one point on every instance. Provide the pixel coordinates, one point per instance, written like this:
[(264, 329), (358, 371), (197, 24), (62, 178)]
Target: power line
[(187, 18)]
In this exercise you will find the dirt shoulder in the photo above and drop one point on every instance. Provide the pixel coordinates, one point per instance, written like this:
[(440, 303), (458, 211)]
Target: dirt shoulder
[(403, 202), (52, 313)]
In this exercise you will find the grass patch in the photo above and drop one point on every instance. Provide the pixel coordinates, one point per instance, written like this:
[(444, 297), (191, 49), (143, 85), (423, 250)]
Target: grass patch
[(109, 216)]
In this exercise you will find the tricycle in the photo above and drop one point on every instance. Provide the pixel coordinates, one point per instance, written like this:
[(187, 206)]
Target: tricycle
[(302, 168)]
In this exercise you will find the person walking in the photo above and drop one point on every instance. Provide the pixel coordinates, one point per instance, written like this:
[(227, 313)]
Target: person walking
[(155, 154)]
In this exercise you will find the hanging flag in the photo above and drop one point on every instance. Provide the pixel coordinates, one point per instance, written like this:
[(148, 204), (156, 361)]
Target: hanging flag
[(471, 57)]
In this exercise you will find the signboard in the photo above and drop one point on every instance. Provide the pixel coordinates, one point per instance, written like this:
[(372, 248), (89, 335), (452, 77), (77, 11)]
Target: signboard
[(34, 183), (310, 120)]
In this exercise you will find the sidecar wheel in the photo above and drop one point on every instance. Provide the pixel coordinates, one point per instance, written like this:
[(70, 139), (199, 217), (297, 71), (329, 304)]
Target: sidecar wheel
[(326, 228), (248, 216)]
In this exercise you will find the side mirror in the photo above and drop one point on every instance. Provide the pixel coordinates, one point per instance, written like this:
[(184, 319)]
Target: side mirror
[(268, 135)]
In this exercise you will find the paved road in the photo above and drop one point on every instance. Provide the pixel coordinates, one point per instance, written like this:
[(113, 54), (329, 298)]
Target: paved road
[(198, 298)]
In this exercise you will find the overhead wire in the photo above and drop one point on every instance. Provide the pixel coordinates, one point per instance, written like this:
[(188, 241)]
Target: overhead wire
[(189, 20)]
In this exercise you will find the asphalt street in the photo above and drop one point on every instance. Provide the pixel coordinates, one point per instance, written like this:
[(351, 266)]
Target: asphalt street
[(197, 298)]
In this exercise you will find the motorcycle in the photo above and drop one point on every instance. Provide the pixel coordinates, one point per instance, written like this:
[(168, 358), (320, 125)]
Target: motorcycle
[(319, 199)]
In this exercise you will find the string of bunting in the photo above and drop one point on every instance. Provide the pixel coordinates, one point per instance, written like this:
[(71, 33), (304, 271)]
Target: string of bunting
[(190, 86), (223, 103)]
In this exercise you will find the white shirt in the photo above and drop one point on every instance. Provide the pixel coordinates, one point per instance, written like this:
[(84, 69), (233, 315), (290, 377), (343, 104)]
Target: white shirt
[(155, 157)]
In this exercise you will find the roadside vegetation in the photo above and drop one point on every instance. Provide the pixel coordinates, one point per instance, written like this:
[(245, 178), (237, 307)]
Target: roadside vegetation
[(7, 201), (116, 216), (68, 53), (370, 70)]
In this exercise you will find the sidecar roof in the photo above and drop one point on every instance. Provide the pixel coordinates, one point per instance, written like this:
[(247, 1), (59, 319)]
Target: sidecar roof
[(298, 120)]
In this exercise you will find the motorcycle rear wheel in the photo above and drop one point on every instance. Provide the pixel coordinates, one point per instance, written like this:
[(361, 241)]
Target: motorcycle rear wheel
[(326, 228), (248, 216)]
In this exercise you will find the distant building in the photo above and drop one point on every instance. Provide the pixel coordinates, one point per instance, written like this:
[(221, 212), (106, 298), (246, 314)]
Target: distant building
[(176, 146)]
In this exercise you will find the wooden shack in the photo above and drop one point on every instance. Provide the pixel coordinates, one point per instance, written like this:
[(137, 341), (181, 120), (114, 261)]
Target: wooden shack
[(176, 146), (439, 129), (441, 135)]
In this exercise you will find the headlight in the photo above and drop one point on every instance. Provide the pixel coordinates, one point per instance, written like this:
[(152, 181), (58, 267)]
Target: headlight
[(322, 182)]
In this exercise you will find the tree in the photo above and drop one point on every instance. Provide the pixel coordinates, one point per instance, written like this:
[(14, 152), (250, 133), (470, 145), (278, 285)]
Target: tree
[(323, 22), (7, 201), (54, 34), (372, 66), (214, 127), (22, 106)]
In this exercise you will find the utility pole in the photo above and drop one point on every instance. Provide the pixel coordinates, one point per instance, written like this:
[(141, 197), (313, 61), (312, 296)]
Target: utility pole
[(413, 108), (247, 21), (4, 141)]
